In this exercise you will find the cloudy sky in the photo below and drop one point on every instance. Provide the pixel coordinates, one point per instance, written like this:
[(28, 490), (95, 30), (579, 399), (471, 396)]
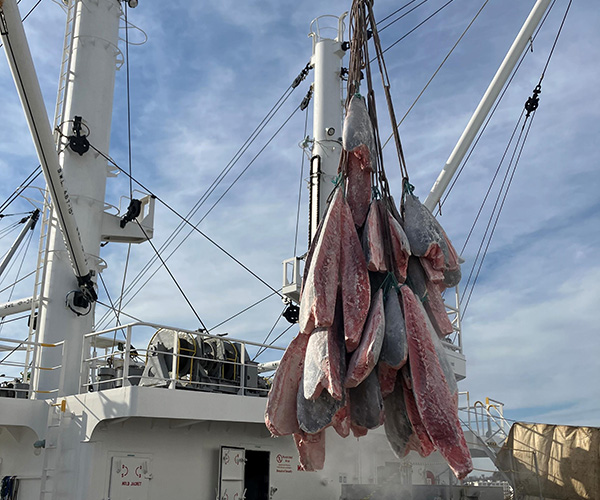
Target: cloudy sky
[(208, 74)]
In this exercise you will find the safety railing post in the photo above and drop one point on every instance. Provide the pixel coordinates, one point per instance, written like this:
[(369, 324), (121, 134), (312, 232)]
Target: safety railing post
[(243, 370), (174, 361), (126, 357)]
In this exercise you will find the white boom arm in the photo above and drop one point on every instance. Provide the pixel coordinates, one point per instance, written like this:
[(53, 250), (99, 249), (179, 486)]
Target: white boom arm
[(490, 96), (28, 87)]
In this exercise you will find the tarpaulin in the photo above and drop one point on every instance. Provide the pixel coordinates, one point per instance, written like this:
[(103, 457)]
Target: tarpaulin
[(552, 462)]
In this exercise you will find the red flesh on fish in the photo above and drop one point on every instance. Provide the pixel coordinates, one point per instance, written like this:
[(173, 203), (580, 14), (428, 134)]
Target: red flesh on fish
[(365, 357), (354, 278), (311, 450), (400, 247), (432, 394), (280, 415), (358, 184), (317, 305), (372, 241)]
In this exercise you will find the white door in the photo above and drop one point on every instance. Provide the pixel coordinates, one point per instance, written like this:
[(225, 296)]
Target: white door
[(129, 477), (231, 473)]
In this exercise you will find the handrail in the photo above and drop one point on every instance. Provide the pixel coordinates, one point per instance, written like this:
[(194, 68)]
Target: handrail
[(225, 368)]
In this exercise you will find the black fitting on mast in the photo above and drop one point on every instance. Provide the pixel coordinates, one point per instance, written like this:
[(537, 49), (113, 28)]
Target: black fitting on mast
[(77, 141), (133, 211)]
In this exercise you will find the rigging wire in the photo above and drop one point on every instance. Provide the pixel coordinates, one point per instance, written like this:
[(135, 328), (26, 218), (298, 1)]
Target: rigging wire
[(396, 11), (301, 184), (26, 15), (25, 249), (489, 118), (417, 26), (194, 227), (220, 177), (164, 264), (402, 16), (272, 343), (243, 310), (264, 342), (530, 111), (498, 215), (24, 185), (128, 93), (436, 71), (499, 195), (18, 281)]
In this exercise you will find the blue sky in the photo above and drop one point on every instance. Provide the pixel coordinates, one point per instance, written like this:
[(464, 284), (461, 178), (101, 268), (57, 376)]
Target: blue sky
[(208, 74)]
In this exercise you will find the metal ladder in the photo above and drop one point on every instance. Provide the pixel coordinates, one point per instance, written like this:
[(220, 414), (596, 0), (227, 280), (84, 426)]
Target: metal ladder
[(65, 64), (52, 450)]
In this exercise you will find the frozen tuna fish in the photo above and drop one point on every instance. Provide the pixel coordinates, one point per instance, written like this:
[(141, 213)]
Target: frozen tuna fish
[(365, 357), (424, 233), (419, 441), (311, 450), (372, 241), (314, 416), (358, 128), (280, 415), (435, 403), (387, 378), (436, 310), (397, 424), (354, 281), (400, 247), (341, 420), (394, 349), (358, 184), (317, 304), (323, 362), (366, 404)]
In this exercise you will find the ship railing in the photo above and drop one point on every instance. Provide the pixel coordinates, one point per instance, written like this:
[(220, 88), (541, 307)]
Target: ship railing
[(486, 420), (105, 353), (17, 373)]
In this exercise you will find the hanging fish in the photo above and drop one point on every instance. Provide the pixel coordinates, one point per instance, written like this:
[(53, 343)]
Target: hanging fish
[(281, 415), (311, 450), (365, 357), (398, 428), (394, 350), (319, 292), (359, 142), (316, 415), (354, 281), (366, 404), (372, 241), (433, 397)]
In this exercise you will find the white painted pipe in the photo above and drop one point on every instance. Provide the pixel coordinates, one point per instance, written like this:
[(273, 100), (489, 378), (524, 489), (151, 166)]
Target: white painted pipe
[(490, 96), (15, 307)]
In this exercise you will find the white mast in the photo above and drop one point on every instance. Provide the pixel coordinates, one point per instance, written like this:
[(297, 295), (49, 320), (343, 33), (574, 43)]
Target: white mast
[(327, 54), (486, 103)]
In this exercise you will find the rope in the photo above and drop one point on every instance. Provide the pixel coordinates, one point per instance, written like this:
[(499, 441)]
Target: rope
[(263, 349), (396, 11)]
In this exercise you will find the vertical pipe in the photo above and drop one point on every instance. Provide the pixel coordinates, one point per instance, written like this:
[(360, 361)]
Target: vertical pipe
[(327, 115), (92, 66)]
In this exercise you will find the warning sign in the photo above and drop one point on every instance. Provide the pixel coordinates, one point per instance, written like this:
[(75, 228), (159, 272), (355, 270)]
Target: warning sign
[(284, 463)]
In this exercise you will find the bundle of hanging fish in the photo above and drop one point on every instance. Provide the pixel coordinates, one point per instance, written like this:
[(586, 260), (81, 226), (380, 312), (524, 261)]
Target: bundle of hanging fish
[(371, 318)]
